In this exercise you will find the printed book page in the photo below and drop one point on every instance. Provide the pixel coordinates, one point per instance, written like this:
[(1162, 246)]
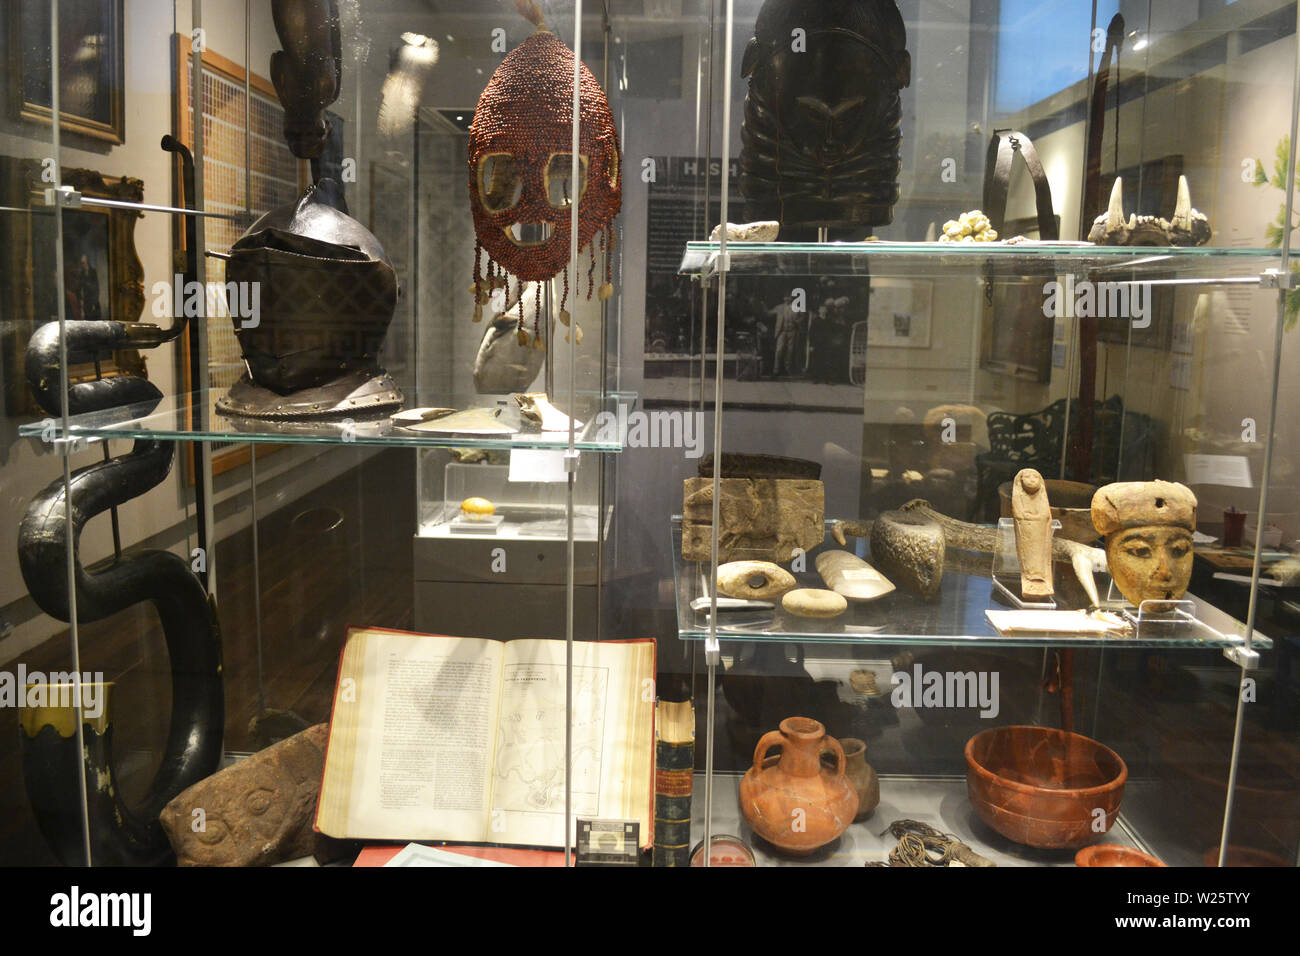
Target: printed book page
[(410, 750), (613, 720)]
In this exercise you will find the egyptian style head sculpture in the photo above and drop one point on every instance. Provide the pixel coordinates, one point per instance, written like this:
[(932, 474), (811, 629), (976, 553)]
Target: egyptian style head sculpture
[(821, 133), (1148, 527), (520, 167)]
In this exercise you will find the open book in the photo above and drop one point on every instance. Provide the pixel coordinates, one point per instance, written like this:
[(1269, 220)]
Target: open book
[(462, 739)]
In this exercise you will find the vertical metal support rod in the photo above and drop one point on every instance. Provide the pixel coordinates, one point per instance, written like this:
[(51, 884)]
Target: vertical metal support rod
[(257, 578), (708, 208), (602, 461), (571, 460), (70, 562), (546, 321), (1073, 367), (712, 650), (203, 463), (248, 113), (1280, 326), (252, 448)]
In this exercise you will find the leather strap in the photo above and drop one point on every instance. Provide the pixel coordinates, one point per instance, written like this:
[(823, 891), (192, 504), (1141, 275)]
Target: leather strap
[(1004, 146)]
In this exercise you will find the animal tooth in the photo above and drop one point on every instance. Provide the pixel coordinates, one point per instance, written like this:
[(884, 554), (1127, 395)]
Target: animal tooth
[(1183, 208), (1115, 214)]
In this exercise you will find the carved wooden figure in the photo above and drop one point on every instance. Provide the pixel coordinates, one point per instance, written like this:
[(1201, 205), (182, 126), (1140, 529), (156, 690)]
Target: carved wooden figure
[(822, 117), (1033, 517)]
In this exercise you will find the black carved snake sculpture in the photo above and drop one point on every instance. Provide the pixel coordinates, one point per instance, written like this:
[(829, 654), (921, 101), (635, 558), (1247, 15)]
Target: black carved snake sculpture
[(118, 835)]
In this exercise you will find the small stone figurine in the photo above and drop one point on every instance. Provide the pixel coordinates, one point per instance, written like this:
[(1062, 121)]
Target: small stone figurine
[(1033, 517), (1148, 527)]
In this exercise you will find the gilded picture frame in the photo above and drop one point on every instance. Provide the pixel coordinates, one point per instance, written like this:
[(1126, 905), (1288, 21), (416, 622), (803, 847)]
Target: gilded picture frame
[(103, 274), (92, 56)]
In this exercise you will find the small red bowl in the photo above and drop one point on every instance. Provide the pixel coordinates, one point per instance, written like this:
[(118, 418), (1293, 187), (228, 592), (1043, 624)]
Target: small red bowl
[(728, 850), (1112, 854)]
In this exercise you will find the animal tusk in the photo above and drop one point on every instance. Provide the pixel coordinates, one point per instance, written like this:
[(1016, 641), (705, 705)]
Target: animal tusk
[(1115, 213), (1082, 564), (1183, 209)]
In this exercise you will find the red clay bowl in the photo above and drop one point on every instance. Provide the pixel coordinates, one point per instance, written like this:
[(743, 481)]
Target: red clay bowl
[(1041, 787), (1112, 854)]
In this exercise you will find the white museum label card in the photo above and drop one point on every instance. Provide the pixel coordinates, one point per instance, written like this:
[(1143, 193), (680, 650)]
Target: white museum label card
[(1230, 470), (537, 464)]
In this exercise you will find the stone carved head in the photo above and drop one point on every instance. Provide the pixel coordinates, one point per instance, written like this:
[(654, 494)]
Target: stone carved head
[(1148, 528), (256, 812)]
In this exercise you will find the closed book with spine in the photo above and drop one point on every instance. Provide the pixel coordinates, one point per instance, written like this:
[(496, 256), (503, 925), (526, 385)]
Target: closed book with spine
[(674, 776)]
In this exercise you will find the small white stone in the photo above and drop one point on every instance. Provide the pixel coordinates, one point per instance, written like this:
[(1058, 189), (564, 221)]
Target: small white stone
[(764, 231)]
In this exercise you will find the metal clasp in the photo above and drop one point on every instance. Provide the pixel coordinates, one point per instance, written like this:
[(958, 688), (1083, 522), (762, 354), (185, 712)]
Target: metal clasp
[(712, 652), (62, 196), (70, 444), (1276, 279), (1247, 658)]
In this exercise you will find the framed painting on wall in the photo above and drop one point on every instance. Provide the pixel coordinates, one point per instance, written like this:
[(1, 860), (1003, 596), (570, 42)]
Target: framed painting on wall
[(91, 66), (102, 274)]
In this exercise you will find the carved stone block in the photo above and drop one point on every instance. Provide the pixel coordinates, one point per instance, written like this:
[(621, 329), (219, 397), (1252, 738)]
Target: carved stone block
[(257, 812), (763, 519)]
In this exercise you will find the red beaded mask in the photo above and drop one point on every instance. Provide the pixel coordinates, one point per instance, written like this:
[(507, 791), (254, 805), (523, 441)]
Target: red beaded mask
[(520, 168)]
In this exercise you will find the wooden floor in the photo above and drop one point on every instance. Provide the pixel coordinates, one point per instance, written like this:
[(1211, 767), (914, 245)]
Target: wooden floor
[(346, 559)]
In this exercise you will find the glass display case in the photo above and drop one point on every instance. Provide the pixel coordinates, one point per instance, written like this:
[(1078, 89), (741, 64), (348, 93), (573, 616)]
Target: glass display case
[(1010, 293), (384, 415), (289, 303)]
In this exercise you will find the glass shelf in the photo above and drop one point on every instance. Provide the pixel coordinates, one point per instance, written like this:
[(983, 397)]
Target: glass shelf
[(170, 418), (955, 618), (1201, 265)]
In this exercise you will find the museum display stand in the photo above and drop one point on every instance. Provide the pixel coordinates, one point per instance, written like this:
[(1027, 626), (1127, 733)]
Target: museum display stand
[(1192, 791), (258, 101), (470, 447)]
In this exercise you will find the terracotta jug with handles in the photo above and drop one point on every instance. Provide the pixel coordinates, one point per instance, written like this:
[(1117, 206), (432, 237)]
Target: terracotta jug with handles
[(793, 801)]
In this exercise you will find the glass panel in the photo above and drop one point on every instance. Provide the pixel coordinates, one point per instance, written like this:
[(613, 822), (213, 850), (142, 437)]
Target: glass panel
[(339, 393), (1124, 333), (267, 511), (57, 265)]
